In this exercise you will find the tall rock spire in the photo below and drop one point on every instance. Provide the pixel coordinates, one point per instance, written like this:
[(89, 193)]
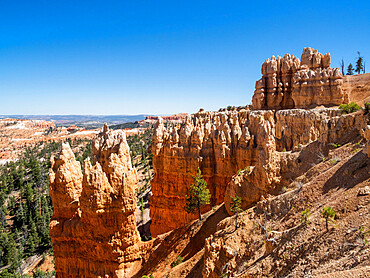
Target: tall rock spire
[(93, 227)]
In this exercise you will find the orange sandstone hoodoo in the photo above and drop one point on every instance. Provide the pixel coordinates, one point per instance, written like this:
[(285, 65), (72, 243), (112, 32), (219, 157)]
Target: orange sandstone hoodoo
[(93, 227)]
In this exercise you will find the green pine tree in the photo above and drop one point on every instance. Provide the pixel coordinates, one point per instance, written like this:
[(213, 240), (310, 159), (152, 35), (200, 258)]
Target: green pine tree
[(359, 63), (350, 69), (198, 195), (236, 207)]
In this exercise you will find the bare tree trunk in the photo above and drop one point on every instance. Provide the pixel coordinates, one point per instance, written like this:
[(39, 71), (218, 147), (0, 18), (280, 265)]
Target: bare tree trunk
[(200, 215)]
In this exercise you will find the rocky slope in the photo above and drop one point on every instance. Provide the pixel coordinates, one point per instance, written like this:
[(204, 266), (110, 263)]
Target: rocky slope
[(271, 238), (93, 227), (290, 83)]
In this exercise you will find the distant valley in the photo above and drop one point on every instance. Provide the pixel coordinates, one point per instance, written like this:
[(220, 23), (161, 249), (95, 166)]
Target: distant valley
[(85, 121)]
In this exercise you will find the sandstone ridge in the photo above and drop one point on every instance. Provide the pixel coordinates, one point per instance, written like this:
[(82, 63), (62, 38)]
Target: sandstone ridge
[(260, 145), (288, 82), (93, 227)]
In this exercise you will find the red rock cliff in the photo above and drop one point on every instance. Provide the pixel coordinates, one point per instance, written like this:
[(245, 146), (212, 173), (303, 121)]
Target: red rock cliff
[(221, 143), (93, 227)]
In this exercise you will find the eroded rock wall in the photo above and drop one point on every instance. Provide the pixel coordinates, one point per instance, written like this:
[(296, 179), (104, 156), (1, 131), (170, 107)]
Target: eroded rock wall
[(289, 83), (93, 227), (220, 143)]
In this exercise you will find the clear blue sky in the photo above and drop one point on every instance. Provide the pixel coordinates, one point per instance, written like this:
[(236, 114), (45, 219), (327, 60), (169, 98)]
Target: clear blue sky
[(160, 57)]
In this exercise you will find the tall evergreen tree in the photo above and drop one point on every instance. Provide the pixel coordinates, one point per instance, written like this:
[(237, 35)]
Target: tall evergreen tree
[(359, 63), (198, 195)]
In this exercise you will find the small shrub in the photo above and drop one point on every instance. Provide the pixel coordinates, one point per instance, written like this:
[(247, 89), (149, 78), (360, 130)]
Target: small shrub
[(177, 261), (364, 235), (284, 150), (334, 160), (247, 169), (367, 107), (335, 145), (328, 213), (304, 216), (349, 108), (239, 172)]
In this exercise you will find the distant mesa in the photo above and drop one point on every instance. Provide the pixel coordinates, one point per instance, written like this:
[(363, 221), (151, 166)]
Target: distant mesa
[(176, 118)]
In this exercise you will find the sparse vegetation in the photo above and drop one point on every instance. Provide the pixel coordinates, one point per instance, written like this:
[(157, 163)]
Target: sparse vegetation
[(335, 160), (178, 261), (349, 108), (198, 195), (367, 107), (305, 215), (328, 213), (335, 145), (364, 235)]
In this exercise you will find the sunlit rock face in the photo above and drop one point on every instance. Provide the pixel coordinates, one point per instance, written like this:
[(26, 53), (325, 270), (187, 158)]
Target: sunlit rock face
[(288, 82), (221, 143), (93, 227)]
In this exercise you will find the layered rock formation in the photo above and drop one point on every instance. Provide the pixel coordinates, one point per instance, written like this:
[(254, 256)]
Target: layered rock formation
[(93, 227), (290, 83), (221, 143)]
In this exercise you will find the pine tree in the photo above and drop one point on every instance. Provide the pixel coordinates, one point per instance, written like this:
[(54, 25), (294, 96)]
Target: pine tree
[(350, 69), (198, 195), (236, 207), (359, 63)]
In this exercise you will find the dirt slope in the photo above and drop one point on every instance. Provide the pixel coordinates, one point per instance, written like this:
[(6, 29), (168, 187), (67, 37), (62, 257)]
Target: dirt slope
[(358, 87)]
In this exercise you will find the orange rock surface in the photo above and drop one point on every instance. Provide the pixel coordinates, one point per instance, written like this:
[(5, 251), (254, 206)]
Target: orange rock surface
[(358, 87), (176, 118), (93, 227), (221, 143), (289, 83)]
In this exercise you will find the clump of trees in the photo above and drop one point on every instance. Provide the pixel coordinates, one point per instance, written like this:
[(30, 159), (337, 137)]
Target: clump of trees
[(360, 66), (25, 205), (198, 195)]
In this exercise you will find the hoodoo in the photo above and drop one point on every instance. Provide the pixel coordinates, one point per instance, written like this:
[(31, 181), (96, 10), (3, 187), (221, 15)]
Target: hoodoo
[(221, 144), (93, 227), (289, 83)]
